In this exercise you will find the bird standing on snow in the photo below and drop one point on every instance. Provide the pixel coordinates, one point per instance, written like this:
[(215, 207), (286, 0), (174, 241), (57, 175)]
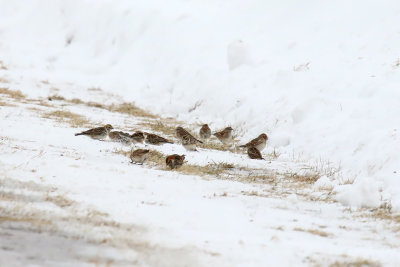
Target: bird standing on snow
[(97, 133), (260, 142), (205, 132), (121, 137), (254, 153), (139, 155), (155, 139), (174, 161), (137, 137), (188, 141), (180, 132), (225, 136)]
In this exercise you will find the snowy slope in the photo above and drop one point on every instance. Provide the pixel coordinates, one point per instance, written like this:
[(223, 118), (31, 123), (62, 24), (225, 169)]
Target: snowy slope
[(319, 77)]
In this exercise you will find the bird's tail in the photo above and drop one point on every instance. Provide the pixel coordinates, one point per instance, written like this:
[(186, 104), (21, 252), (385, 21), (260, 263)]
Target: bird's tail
[(79, 134), (243, 146)]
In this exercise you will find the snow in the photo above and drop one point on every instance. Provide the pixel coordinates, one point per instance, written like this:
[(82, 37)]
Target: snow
[(323, 183), (177, 220), (319, 77), (360, 194)]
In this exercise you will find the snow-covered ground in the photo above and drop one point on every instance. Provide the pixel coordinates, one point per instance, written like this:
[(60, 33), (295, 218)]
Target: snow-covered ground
[(320, 78), (62, 191)]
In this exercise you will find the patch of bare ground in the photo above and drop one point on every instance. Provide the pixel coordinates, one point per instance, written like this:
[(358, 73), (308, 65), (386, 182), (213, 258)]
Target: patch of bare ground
[(217, 170), (214, 144), (303, 177), (259, 176), (76, 101), (73, 119), (282, 185), (124, 108), (56, 97), (228, 171), (6, 104), (383, 213), (165, 128), (16, 94), (4, 80), (35, 108), (130, 109), (95, 105), (343, 261), (221, 170), (254, 194), (312, 231), (359, 262), (157, 158)]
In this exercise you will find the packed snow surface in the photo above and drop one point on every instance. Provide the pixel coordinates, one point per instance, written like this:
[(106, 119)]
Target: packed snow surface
[(319, 77)]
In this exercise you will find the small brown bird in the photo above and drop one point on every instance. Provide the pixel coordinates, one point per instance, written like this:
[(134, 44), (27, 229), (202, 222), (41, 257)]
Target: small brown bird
[(260, 142), (97, 133), (180, 132), (118, 136), (205, 132), (254, 153), (138, 156), (174, 161), (137, 137), (188, 141), (225, 136), (155, 139)]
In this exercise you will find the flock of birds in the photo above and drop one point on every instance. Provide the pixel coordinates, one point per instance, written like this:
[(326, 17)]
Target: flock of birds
[(189, 142)]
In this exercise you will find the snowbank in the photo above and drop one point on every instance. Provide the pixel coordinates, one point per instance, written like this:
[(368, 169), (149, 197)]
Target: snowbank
[(321, 78)]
